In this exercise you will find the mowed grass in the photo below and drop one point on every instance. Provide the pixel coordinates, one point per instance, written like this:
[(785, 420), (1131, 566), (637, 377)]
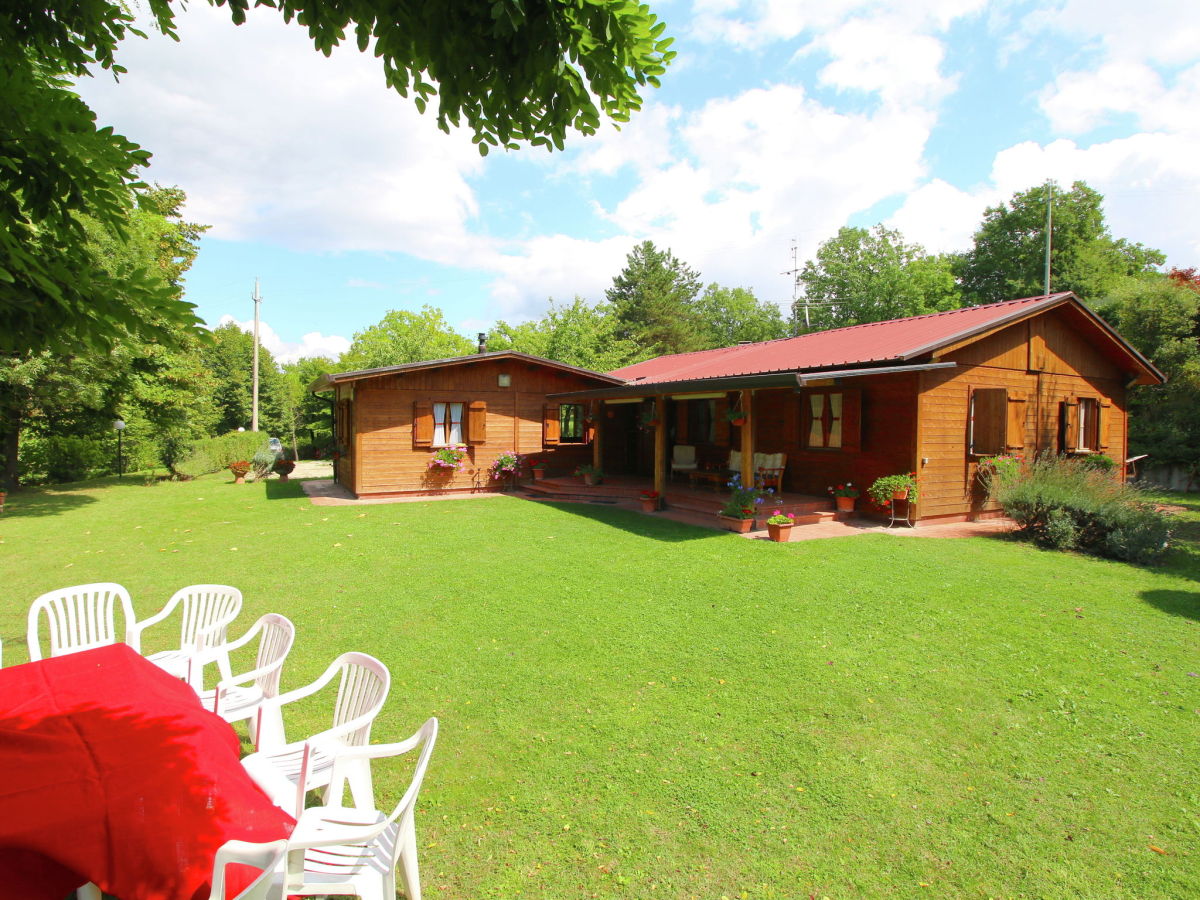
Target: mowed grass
[(636, 708)]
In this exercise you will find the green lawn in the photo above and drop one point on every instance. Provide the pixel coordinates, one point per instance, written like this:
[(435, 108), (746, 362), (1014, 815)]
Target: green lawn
[(636, 708)]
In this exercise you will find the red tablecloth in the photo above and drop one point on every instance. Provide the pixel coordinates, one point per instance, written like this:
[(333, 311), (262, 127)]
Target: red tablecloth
[(112, 772)]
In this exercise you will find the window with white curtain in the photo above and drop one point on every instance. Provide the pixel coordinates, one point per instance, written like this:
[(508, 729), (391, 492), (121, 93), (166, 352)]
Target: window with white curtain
[(447, 424)]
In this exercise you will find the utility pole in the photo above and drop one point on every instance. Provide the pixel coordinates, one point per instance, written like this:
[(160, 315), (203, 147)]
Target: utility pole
[(254, 403), (1049, 231), (794, 271)]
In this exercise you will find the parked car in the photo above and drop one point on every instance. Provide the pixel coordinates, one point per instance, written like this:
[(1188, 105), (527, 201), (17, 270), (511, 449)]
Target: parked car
[(275, 445)]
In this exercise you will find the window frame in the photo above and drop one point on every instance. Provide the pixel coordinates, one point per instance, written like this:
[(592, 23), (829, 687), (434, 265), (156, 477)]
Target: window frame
[(577, 434), (441, 435), (827, 419)]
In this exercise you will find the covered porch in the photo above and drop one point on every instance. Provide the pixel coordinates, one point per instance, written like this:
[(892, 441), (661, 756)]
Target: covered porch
[(678, 495)]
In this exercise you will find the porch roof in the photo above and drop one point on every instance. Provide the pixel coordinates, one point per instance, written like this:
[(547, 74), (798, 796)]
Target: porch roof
[(702, 386)]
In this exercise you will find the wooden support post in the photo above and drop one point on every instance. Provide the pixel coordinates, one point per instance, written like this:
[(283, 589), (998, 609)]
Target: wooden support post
[(748, 439), (660, 444), (597, 413)]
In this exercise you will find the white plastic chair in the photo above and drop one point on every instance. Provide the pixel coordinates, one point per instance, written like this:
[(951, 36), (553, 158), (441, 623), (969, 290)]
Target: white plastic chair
[(683, 459), (286, 772), (355, 850), (80, 618), (268, 857), (241, 696), (207, 611)]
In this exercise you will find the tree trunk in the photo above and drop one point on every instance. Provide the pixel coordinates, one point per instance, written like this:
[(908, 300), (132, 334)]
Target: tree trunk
[(11, 425)]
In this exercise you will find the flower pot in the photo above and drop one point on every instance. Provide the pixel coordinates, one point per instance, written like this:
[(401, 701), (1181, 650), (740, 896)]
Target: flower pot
[(780, 533), (900, 495), (283, 476), (740, 526), (649, 505), (591, 480), (538, 474), (239, 479), (845, 504), (739, 422)]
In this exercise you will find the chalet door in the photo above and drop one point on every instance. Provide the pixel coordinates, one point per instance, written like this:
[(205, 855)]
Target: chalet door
[(619, 435)]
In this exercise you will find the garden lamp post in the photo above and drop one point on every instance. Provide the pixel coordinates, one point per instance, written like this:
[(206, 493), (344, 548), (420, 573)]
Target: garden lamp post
[(120, 426)]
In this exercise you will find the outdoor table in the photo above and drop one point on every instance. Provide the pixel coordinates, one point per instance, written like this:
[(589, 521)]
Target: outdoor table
[(112, 772)]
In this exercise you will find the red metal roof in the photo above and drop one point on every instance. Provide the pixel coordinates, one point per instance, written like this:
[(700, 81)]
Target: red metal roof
[(876, 342)]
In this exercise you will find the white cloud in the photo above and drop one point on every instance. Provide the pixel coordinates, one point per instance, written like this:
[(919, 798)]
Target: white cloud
[(1135, 174), (1164, 32), (312, 344), (289, 147), (884, 55)]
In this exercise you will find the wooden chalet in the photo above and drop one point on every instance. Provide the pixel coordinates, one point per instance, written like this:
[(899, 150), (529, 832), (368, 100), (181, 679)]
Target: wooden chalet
[(930, 394), (389, 422)]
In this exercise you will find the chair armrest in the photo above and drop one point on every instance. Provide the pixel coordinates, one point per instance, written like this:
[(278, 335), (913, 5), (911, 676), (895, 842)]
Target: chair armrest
[(307, 690), (135, 629), (247, 677)]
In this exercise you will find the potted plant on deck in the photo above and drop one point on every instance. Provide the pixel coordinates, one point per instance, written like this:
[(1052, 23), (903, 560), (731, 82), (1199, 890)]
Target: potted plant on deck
[(591, 475), (886, 488), (650, 501), (505, 467), (844, 495), (537, 468), (239, 469), (779, 526), (739, 510)]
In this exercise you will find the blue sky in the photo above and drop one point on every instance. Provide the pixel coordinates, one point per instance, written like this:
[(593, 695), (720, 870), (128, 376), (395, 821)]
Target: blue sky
[(779, 121)]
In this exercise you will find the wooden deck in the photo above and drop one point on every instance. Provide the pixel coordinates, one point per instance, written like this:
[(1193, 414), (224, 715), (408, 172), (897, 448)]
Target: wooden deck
[(679, 495)]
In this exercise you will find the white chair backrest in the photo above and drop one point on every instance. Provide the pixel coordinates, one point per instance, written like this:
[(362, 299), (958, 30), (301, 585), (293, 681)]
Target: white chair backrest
[(266, 857), (206, 606), (684, 454), (274, 644), (735, 460), (362, 690), (427, 733), (768, 460), (425, 737), (79, 618)]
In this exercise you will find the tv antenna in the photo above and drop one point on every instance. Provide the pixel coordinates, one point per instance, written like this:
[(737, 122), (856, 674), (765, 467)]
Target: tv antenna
[(794, 271)]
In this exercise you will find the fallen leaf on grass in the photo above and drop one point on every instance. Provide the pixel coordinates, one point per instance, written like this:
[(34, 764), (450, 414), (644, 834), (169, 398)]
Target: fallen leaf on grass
[(1158, 850)]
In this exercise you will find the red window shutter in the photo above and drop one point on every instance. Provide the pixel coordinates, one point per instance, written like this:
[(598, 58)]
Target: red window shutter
[(990, 408), (422, 423), (851, 420), (1015, 436), (1103, 408), (550, 426), (1070, 424), (477, 422)]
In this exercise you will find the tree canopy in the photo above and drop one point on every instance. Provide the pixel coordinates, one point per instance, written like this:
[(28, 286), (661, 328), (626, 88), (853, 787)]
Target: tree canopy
[(1008, 257), (402, 336), (652, 300), (509, 70), (1160, 316), (871, 276)]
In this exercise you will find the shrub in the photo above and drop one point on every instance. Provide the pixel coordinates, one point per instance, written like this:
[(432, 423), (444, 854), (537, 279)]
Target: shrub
[(1061, 504), (1095, 462), (263, 463), (216, 453)]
